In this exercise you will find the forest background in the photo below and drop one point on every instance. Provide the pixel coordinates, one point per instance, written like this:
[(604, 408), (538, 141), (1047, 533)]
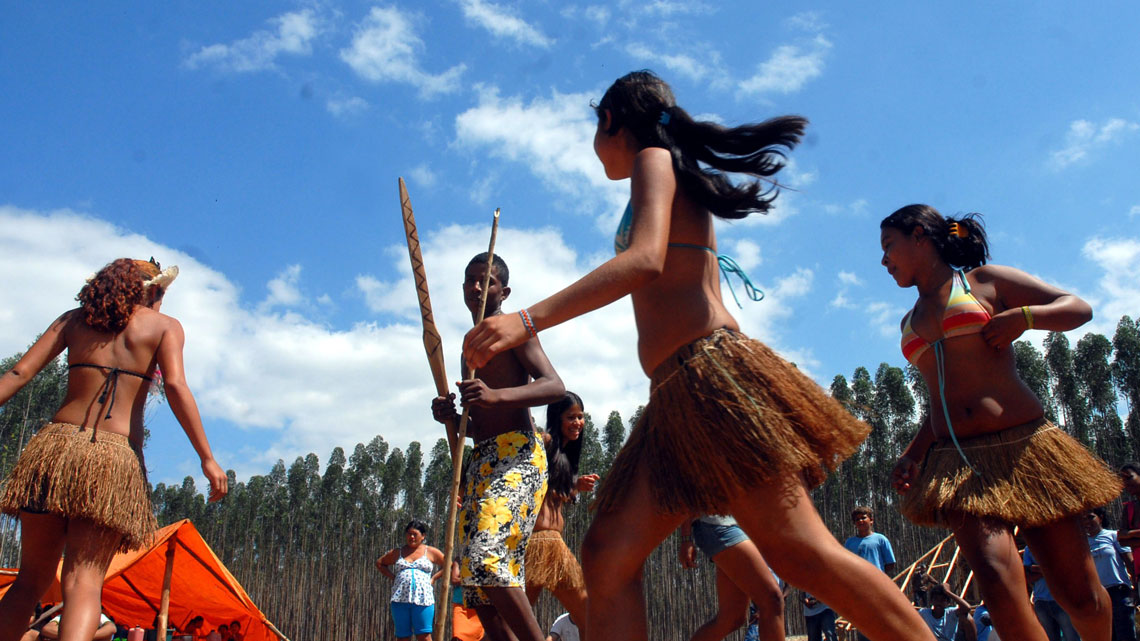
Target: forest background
[(303, 542)]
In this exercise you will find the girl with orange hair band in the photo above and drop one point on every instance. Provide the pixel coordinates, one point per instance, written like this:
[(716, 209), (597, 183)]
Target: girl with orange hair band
[(79, 487), (987, 459)]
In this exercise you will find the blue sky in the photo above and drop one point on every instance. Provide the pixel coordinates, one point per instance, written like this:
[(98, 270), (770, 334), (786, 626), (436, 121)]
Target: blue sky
[(257, 146)]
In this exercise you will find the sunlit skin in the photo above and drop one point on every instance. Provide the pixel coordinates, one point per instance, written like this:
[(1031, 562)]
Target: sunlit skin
[(414, 548), (677, 300), (149, 339), (571, 423), (984, 394)]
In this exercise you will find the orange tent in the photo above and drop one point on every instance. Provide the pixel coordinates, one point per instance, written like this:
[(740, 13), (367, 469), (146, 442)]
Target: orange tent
[(199, 585)]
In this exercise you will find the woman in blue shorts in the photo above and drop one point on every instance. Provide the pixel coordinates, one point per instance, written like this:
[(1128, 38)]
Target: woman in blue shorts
[(741, 574), (413, 570)]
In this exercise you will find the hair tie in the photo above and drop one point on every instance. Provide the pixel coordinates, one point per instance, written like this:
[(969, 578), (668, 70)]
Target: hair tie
[(664, 118), (959, 230)]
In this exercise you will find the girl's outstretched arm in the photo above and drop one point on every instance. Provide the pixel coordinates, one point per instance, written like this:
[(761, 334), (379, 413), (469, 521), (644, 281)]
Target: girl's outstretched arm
[(49, 345), (1025, 303), (653, 186), (183, 405)]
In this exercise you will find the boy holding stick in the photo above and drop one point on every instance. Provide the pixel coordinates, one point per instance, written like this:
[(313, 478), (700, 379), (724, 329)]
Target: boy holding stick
[(506, 479)]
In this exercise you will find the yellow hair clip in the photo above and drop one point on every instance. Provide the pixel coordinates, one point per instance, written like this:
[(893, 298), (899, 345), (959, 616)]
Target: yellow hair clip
[(958, 230)]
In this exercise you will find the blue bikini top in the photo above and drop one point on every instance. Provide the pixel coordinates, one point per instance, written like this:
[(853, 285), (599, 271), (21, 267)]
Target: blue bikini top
[(727, 264)]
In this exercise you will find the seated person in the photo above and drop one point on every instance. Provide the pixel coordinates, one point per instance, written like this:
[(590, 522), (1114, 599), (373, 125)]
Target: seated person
[(104, 632)]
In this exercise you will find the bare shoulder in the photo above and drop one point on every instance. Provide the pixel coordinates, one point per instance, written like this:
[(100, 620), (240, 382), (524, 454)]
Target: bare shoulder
[(995, 273)]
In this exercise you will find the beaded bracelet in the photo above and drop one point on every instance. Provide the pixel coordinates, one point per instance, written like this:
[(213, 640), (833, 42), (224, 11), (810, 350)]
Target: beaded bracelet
[(528, 323), (1028, 316)]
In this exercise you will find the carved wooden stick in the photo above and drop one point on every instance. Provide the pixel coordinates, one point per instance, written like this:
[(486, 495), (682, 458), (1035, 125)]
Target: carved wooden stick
[(433, 345)]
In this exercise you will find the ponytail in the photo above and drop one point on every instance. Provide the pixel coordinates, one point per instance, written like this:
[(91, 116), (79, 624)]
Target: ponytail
[(960, 242), (702, 150)]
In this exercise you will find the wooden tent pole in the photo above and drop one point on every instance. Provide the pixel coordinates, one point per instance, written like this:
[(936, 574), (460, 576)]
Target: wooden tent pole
[(164, 606), (274, 630)]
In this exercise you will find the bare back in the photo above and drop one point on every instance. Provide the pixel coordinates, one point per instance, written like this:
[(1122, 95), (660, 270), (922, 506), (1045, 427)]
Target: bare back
[(134, 349), (684, 302)]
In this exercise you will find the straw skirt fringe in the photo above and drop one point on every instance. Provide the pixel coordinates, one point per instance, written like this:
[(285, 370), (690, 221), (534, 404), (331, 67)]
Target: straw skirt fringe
[(1031, 475), (550, 564), (726, 414), (72, 472)]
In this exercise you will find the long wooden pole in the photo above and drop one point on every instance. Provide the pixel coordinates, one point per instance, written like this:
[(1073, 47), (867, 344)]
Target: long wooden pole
[(164, 606), (457, 459)]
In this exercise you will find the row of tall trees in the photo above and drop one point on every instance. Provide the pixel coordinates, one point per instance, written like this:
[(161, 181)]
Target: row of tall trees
[(303, 541)]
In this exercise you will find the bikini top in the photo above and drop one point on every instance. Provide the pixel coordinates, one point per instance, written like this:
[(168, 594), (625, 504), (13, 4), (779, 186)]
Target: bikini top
[(726, 263), (111, 383), (963, 315)]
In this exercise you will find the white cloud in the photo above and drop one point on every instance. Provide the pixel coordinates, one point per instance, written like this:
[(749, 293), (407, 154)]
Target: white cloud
[(789, 68), (598, 13), (551, 137), (385, 49), (1084, 138), (343, 107), (283, 290), (502, 24), (1134, 211), (293, 34), (885, 317), (423, 175), (682, 64), (669, 7), (847, 280), (1118, 290)]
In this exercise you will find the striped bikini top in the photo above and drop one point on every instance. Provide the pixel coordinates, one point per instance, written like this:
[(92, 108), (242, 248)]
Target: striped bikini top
[(963, 315)]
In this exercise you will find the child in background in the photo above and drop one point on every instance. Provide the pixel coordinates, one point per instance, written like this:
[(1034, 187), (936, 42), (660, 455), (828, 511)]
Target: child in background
[(948, 622), (868, 543), (1114, 568)]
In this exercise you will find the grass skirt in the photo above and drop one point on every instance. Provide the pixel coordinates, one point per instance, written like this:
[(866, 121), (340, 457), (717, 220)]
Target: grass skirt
[(550, 563), (726, 414), (72, 472), (1031, 475)]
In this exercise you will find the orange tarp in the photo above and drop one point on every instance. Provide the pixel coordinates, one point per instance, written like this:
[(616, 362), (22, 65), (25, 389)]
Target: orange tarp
[(200, 586)]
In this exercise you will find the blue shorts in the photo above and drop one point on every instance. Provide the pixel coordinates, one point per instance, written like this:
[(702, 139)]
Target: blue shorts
[(412, 619), (714, 539)]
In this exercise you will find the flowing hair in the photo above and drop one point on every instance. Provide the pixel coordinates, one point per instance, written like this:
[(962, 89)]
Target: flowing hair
[(968, 249), (702, 151), (561, 457), (110, 297)]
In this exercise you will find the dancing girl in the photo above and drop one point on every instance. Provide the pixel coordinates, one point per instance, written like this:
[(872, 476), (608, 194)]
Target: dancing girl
[(79, 487), (550, 564), (986, 459), (730, 427)]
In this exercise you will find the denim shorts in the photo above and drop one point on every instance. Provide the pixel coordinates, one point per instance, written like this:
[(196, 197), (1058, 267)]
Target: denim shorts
[(714, 539)]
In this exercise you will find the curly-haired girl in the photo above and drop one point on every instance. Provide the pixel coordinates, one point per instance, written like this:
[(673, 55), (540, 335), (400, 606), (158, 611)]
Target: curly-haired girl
[(79, 487)]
